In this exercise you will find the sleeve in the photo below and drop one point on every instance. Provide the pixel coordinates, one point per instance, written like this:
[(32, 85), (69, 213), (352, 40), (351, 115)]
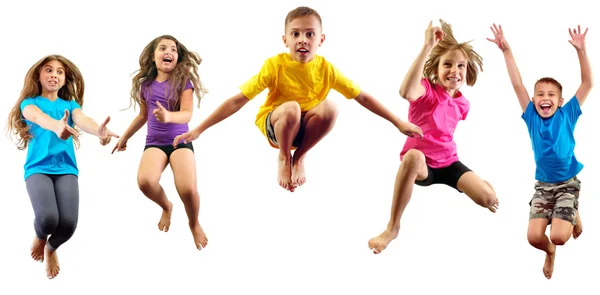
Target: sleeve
[(529, 112), (26, 102), (464, 111), (259, 82), (427, 96), (343, 85), (188, 85), (572, 110)]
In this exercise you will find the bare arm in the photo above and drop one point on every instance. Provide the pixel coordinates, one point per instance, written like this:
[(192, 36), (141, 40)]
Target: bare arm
[(511, 66), (411, 88), (578, 41), (370, 103), (226, 109), (87, 124), (137, 123), (35, 115), (186, 107)]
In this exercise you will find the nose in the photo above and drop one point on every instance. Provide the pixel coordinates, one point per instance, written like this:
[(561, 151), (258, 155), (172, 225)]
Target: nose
[(302, 40)]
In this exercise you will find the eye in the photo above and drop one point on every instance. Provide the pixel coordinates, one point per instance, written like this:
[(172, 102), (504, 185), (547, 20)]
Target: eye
[(311, 34), (295, 34)]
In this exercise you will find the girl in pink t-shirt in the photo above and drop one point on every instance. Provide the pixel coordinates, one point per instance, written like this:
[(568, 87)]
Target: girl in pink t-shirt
[(164, 88), (436, 105)]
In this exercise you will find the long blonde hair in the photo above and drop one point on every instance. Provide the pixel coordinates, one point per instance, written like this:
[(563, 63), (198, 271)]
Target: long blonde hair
[(186, 68), (449, 43), (72, 90)]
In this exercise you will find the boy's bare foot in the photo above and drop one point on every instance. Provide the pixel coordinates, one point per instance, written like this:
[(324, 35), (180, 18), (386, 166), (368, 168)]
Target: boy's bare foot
[(284, 173), (298, 176), (578, 228), (200, 239), (52, 266), (37, 249), (165, 218), (379, 243), (549, 263)]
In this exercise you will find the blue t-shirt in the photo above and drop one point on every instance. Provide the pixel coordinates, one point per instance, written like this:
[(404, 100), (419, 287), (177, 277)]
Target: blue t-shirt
[(553, 142), (46, 152)]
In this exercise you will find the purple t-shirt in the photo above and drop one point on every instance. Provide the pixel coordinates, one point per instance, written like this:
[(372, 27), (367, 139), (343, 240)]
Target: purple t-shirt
[(160, 133)]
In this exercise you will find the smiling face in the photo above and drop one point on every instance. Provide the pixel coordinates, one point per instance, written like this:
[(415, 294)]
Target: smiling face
[(52, 78), (165, 56), (452, 70), (303, 37), (547, 99)]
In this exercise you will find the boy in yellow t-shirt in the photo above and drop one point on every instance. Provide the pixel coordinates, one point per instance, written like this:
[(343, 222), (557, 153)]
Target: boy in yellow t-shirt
[(296, 114)]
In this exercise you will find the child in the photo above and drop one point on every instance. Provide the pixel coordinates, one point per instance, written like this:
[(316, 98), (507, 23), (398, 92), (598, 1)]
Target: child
[(296, 114), (436, 104), (163, 88), (551, 127), (43, 120)]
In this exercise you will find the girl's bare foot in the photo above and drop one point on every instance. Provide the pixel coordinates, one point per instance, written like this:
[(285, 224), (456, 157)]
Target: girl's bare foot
[(52, 265), (200, 239), (578, 228), (549, 263), (165, 219), (379, 243), (37, 249)]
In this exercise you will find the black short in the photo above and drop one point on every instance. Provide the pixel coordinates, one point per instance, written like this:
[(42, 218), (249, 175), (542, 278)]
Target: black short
[(169, 149), (271, 132), (447, 175)]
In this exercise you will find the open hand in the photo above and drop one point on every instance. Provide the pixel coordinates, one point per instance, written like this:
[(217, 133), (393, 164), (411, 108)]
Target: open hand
[(104, 133), (577, 38), (410, 129), (161, 113), (186, 137), (433, 35), (63, 130), (499, 37)]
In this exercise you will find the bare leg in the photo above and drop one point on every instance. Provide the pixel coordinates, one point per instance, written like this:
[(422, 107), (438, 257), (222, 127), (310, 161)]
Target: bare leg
[(183, 164), (412, 167), (286, 123), (536, 235), (319, 121), (153, 163), (480, 191)]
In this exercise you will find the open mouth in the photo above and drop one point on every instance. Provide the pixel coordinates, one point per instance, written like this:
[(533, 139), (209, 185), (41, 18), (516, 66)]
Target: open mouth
[(453, 79), (303, 50), (545, 107), (167, 59)]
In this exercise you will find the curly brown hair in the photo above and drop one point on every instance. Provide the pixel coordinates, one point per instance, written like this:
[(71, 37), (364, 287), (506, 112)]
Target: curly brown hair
[(72, 90), (186, 69), (449, 43)]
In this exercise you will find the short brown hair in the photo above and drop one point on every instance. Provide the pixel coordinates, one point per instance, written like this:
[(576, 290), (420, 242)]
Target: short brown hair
[(549, 81), (300, 12)]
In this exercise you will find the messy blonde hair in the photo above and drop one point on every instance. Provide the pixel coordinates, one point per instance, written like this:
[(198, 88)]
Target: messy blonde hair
[(447, 44), (72, 90), (186, 69)]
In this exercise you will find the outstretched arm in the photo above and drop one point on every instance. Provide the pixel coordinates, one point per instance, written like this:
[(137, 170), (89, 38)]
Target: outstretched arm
[(578, 41), (511, 66), (373, 105), (226, 109), (411, 88), (90, 126)]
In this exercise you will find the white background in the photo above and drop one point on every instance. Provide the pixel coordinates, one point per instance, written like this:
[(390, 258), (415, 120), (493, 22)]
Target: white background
[(263, 239)]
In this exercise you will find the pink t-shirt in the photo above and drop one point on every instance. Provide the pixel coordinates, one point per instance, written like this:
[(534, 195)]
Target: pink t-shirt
[(437, 114)]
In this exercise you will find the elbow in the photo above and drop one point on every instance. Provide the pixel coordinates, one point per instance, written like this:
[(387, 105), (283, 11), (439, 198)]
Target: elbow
[(402, 92)]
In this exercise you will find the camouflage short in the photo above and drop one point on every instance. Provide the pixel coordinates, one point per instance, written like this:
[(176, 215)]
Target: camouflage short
[(556, 200)]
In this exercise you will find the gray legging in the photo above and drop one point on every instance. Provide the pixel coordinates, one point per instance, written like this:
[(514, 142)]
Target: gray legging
[(55, 201)]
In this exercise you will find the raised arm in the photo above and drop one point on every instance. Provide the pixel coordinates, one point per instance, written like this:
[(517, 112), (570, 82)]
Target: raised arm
[(411, 88), (578, 41), (511, 66)]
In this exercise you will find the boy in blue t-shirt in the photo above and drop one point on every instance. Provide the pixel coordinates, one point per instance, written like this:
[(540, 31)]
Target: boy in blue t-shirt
[(551, 127)]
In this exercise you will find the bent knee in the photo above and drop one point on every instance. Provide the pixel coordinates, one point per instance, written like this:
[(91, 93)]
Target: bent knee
[(68, 225), (289, 110), (48, 224), (559, 238), (147, 184), (414, 158), (329, 110), (536, 238)]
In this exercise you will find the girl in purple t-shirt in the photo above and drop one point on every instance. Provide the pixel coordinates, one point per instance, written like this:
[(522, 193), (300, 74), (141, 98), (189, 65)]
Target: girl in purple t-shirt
[(163, 88), (436, 105)]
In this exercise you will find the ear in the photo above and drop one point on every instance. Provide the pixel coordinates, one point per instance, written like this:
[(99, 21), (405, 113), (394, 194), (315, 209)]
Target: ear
[(561, 101), (322, 39), (284, 40)]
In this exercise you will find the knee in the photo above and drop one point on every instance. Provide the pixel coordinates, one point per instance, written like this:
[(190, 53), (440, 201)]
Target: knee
[(536, 239), (413, 159), (68, 225), (328, 112), (558, 239), (188, 194), (48, 223), (291, 112), (146, 184)]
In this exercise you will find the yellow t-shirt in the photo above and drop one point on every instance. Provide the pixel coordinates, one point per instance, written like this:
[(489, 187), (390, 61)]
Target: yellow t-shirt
[(289, 80)]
